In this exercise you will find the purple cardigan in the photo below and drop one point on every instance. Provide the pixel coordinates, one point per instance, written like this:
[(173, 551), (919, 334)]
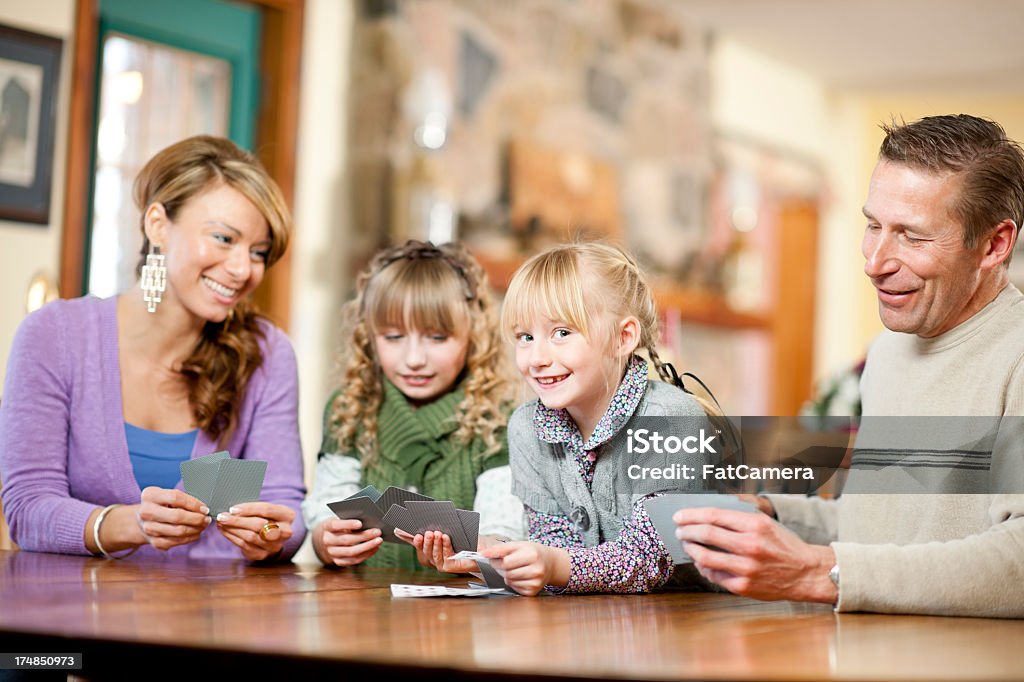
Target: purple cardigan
[(63, 451)]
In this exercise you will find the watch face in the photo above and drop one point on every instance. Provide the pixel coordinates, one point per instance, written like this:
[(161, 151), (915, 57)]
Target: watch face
[(834, 575)]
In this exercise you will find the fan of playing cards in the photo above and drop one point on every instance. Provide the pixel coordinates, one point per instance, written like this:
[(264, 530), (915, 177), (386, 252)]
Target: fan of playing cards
[(397, 508), (222, 482), (409, 512)]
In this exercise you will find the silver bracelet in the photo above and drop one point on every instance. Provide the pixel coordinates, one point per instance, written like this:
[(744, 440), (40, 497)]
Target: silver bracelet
[(96, 533)]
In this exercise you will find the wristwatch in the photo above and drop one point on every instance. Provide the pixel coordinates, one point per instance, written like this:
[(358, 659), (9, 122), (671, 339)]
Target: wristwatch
[(833, 575)]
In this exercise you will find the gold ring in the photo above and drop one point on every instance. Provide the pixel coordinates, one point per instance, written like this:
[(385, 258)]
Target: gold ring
[(267, 527)]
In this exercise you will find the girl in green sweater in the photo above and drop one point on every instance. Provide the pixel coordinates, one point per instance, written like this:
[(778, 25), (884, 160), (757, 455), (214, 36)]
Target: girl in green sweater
[(423, 404)]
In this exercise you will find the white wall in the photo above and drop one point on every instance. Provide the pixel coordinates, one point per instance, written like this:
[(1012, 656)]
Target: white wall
[(320, 277), (28, 248), (759, 99)]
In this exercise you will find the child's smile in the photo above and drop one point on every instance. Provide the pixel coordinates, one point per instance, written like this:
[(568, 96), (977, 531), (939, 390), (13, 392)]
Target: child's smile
[(551, 380), (566, 370)]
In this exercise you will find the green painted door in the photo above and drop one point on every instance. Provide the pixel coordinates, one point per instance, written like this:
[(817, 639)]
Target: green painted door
[(167, 69)]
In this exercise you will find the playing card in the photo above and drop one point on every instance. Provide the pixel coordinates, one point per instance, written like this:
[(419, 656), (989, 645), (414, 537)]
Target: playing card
[(439, 515), (394, 495), (470, 521), (494, 579), (238, 481), (199, 475), (366, 511), (491, 575), (440, 591), (399, 517), (662, 507), (369, 491)]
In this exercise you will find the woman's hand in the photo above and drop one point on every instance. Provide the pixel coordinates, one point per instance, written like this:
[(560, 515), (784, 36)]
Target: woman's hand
[(168, 518), (528, 567), (340, 542), (259, 529)]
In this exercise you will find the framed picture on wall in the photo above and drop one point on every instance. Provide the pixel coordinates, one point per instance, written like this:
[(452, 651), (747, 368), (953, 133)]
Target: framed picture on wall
[(29, 64)]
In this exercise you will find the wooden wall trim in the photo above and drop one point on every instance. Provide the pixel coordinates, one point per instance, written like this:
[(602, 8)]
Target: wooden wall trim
[(793, 319), (79, 168), (277, 131)]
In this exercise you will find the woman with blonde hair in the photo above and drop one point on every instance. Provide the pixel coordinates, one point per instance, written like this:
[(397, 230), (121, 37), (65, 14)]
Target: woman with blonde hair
[(105, 398), (423, 404)]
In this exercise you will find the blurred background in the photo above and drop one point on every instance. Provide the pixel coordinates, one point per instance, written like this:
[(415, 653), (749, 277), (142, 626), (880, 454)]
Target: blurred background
[(727, 143)]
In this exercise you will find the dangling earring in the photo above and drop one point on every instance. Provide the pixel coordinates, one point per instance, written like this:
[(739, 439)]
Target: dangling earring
[(154, 278)]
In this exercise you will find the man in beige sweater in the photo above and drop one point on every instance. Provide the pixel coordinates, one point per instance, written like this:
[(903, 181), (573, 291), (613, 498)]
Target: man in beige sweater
[(944, 206)]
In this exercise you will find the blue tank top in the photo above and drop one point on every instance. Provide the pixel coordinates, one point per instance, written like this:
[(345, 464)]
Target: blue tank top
[(157, 457)]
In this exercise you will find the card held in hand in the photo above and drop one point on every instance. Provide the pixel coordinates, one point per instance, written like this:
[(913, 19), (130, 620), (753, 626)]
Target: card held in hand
[(441, 516), (222, 482), (411, 512), (395, 495), (238, 481), (362, 507), (662, 507), (199, 475), (371, 506)]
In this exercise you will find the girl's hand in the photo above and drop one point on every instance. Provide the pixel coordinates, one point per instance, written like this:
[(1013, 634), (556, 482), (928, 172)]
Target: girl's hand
[(528, 566), (168, 518), (259, 529), (339, 542), (434, 550)]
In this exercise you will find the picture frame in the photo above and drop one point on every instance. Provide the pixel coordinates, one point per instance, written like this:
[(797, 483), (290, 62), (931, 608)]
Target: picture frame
[(29, 67)]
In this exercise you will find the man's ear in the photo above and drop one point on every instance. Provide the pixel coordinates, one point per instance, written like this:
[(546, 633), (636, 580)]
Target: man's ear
[(999, 244), (156, 222), (628, 336)]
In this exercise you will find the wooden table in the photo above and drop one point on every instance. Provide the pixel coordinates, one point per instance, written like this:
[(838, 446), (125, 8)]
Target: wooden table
[(303, 620)]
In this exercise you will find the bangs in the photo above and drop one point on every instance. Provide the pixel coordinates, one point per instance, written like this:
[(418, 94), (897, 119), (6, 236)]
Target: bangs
[(548, 286), (425, 295)]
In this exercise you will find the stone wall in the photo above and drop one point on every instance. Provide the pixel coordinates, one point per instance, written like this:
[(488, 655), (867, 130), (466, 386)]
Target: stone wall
[(609, 96)]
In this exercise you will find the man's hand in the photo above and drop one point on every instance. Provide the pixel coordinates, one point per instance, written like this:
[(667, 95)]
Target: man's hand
[(752, 555)]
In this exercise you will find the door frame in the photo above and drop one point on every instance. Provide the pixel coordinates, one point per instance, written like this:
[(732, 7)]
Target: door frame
[(275, 138)]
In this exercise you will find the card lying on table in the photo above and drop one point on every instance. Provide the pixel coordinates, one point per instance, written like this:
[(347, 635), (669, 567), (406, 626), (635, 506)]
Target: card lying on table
[(495, 583), (222, 482), (411, 512), (662, 507), (440, 591)]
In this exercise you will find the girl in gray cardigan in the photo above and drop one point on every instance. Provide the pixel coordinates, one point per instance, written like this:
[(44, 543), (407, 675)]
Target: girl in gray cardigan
[(578, 314)]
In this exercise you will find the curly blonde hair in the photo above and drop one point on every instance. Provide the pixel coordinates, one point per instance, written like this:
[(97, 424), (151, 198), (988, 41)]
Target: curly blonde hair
[(420, 286)]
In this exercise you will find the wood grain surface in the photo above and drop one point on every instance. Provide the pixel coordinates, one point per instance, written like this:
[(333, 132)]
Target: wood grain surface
[(297, 620)]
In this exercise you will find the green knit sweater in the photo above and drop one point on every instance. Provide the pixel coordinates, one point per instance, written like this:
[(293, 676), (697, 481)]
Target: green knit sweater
[(416, 449)]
